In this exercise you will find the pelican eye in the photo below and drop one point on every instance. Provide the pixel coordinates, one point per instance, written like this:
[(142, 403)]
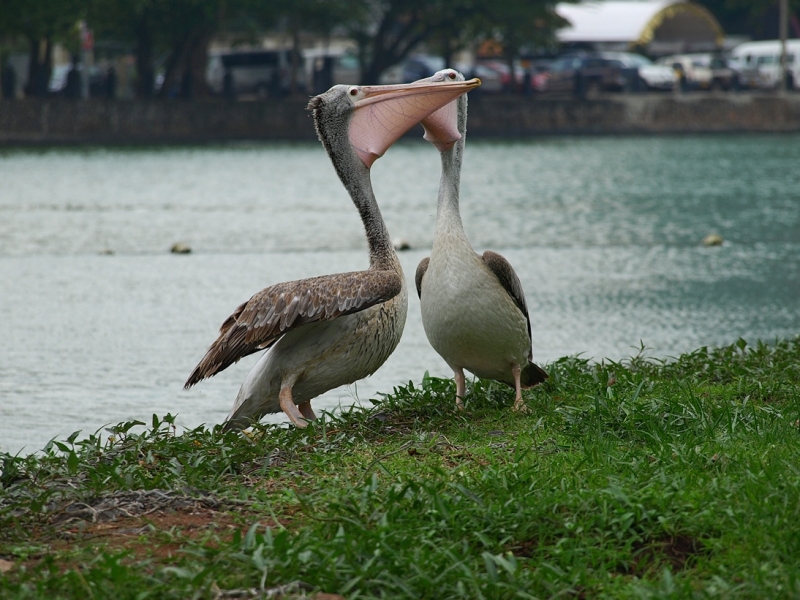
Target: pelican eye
[(451, 75), (354, 91)]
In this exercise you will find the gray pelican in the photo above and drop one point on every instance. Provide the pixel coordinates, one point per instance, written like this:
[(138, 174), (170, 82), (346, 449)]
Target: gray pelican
[(331, 330), (473, 306)]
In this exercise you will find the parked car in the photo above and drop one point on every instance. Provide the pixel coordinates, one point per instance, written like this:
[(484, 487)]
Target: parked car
[(420, 66), (508, 81), (586, 76), (651, 76), (539, 70), (759, 63), (691, 71), (261, 72), (491, 79), (747, 75), (724, 75)]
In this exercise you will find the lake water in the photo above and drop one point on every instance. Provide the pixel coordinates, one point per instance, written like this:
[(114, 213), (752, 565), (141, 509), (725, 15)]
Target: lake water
[(99, 323)]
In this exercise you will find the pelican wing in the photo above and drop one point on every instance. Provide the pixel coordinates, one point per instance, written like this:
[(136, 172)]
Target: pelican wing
[(422, 268), (507, 277), (262, 320)]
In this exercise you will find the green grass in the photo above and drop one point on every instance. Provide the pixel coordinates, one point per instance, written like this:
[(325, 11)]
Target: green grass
[(639, 479)]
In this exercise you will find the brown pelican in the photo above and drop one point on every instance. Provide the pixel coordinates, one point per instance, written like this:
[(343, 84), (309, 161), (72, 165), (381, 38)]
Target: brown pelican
[(473, 306), (331, 330)]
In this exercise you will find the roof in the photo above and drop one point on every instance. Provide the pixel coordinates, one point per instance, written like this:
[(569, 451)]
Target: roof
[(631, 21)]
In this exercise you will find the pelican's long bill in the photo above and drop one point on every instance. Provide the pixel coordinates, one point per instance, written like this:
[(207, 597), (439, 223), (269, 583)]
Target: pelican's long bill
[(383, 113), (441, 127)]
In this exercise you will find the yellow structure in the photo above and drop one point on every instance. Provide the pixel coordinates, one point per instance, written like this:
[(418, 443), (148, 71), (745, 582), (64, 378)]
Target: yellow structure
[(658, 27)]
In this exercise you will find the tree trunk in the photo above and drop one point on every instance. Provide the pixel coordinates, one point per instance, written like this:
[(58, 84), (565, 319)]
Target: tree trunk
[(175, 67), (390, 49), (512, 82), (40, 67), (447, 55), (196, 68), (33, 67), (145, 85), (295, 61)]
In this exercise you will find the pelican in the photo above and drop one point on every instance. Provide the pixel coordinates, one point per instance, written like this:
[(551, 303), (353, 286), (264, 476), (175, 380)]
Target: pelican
[(328, 331), (473, 306)]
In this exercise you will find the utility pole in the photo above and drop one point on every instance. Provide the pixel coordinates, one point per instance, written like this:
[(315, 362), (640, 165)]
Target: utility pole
[(784, 33)]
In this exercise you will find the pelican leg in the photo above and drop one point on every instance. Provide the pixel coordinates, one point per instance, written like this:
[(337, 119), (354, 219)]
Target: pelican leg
[(306, 410), (288, 406), (519, 403), (461, 387)]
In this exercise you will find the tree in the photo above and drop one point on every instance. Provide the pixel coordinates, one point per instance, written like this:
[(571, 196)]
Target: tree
[(186, 27), (297, 16), (130, 21), (178, 29), (42, 23), (388, 31), (516, 24), (754, 18)]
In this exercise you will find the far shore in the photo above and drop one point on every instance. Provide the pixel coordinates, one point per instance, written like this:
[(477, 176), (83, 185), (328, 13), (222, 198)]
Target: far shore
[(84, 122)]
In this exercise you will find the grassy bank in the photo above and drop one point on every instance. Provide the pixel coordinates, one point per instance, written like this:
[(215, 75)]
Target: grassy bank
[(634, 479)]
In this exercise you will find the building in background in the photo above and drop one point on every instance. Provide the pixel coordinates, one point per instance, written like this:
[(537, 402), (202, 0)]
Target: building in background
[(654, 27)]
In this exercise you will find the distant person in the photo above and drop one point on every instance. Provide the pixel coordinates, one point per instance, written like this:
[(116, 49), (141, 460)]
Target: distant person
[(111, 83), (9, 82)]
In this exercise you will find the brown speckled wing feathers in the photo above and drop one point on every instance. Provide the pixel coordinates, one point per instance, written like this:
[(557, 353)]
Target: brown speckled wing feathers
[(422, 268), (262, 320), (505, 273)]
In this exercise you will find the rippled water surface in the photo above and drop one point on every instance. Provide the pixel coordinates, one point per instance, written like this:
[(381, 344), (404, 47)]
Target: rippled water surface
[(99, 323)]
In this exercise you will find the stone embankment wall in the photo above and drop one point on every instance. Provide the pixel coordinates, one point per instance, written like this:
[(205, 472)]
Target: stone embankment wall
[(650, 113), (108, 122)]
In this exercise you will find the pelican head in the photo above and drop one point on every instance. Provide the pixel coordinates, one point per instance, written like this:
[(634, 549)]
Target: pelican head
[(376, 116), (443, 127)]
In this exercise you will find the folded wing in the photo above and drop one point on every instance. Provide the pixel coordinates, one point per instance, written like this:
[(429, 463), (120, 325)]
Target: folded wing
[(262, 320), (508, 278)]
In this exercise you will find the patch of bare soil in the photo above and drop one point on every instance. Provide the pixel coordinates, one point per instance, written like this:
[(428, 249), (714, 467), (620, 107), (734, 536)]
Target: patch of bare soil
[(128, 504), (129, 520), (296, 590), (674, 551)]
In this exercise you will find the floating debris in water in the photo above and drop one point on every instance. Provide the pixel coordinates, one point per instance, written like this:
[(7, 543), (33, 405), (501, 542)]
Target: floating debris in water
[(180, 248), (712, 239), (106, 252), (401, 244)]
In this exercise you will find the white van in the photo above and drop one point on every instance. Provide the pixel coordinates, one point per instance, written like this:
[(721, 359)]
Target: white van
[(759, 63)]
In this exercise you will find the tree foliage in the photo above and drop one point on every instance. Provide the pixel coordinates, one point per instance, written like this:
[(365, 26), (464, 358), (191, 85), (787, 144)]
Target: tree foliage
[(42, 23), (179, 30), (519, 24), (388, 31), (175, 34), (754, 18)]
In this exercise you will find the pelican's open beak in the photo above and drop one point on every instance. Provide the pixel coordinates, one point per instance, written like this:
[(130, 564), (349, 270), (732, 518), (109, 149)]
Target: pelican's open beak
[(383, 113), (441, 126)]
